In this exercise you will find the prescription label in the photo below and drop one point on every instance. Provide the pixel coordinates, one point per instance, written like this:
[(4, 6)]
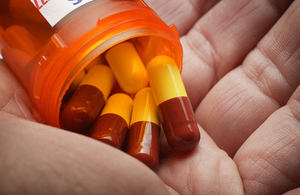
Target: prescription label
[(54, 10)]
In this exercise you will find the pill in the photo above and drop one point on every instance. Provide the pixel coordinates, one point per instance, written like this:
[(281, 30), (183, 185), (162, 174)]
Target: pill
[(144, 132), (98, 60), (174, 107), (113, 123), (69, 93), (21, 39), (85, 105), (73, 87), (77, 80), (127, 67)]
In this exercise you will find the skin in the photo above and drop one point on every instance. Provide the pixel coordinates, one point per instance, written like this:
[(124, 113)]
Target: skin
[(242, 74)]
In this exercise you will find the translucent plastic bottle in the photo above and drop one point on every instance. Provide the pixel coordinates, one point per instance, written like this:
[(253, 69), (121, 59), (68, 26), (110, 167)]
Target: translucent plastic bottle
[(47, 43)]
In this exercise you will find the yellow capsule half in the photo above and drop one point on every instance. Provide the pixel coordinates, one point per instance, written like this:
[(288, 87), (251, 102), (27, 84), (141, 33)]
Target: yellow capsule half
[(97, 61), (101, 77), (119, 104), (127, 67), (165, 79), (144, 107), (77, 80)]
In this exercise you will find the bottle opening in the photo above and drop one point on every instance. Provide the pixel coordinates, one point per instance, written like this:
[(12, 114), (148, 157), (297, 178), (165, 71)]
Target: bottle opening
[(147, 48)]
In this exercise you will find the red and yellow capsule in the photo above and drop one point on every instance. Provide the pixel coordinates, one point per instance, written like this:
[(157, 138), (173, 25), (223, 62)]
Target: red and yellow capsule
[(98, 60), (144, 132), (127, 67), (113, 123), (174, 107), (86, 103), (73, 87), (77, 80)]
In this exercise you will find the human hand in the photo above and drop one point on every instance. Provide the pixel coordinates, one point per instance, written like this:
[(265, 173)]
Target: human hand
[(247, 111)]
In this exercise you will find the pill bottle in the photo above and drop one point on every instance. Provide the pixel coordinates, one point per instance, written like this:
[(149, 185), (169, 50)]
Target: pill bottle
[(47, 43)]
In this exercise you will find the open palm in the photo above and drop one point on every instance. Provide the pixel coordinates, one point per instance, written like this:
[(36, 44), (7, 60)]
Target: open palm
[(241, 71)]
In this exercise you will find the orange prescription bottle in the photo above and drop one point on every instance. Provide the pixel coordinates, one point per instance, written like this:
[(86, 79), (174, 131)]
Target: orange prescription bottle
[(47, 43)]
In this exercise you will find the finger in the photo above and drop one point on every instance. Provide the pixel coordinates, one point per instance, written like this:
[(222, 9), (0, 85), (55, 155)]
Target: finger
[(181, 13), (222, 38), (171, 190), (206, 170), (39, 159), (14, 99), (269, 161), (245, 97), (293, 192)]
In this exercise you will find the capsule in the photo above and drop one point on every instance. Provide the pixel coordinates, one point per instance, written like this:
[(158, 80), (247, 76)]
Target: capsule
[(86, 103), (174, 107), (98, 60), (127, 67), (144, 132), (69, 93), (77, 80), (74, 85), (21, 39), (113, 123)]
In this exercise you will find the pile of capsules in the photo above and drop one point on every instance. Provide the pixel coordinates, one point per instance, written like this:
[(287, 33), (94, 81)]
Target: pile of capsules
[(147, 99)]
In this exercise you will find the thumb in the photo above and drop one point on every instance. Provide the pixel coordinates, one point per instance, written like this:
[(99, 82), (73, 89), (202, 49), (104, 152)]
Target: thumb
[(39, 159)]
